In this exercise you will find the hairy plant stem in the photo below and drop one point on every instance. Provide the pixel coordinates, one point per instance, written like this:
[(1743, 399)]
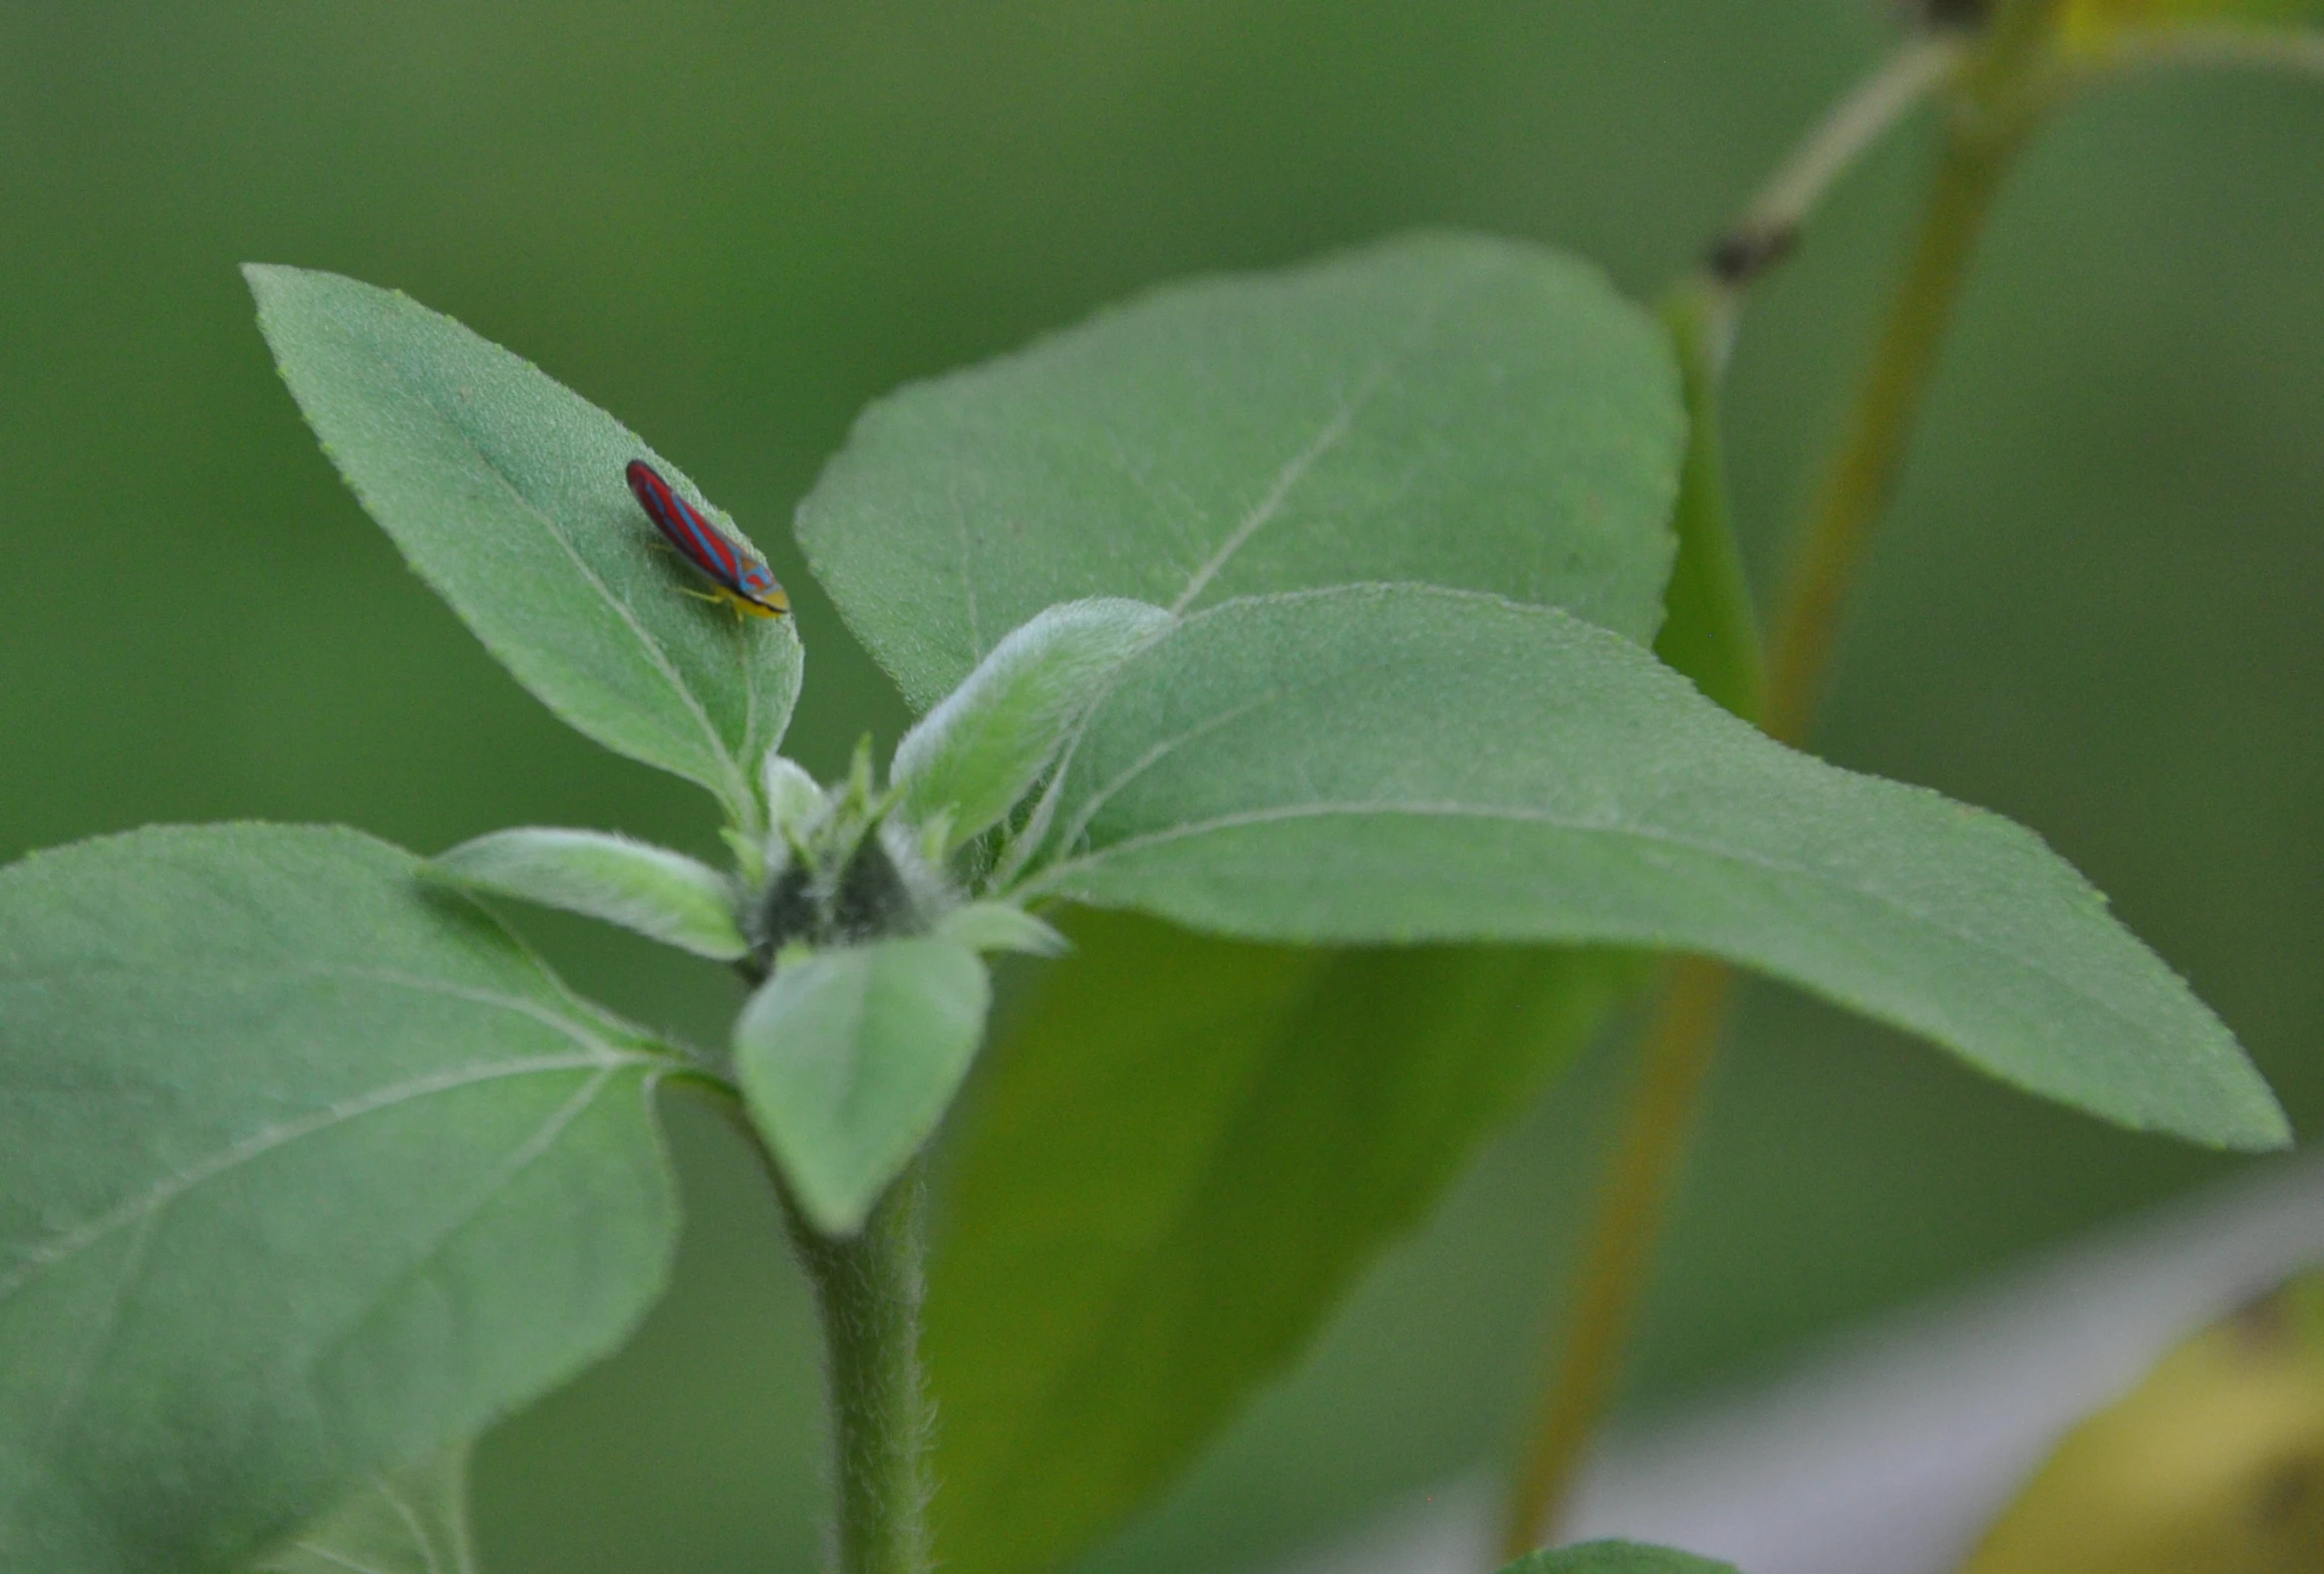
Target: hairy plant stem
[(1988, 121), (869, 1288)]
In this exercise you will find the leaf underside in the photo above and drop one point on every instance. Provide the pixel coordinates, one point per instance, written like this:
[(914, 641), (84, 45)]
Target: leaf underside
[(410, 1522), (1166, 1190)]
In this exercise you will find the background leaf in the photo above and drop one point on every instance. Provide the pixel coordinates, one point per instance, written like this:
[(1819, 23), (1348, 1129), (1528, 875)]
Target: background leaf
[(1166, 1188), (659, 894), (849, 1058), (1614, 1557), (306, 1169), (1440, 407), (504, 490), (1399, 764), (410, 1521)]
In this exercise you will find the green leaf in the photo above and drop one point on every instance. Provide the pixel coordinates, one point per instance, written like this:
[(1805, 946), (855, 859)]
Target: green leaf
[(1402, 763), (1000, 926), (1167, 1189), (1614, 1557), (1711, 633), (982, 749), (848, 1058), (1445, 407), (412, 1522), (664, 895), (792, 798), (306, 1169), (504, 490)]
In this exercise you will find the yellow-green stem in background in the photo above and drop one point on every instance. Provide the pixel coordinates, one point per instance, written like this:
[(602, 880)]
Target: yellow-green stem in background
[(1992, 108)]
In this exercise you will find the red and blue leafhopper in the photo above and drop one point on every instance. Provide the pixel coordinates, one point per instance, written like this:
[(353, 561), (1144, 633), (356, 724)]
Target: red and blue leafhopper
[(741, 577)]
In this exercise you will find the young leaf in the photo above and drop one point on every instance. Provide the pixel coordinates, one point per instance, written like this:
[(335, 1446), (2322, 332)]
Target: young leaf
[(306, 1169), (1403, 764), (1167, 1187), (1000, 926), (664, 895), (1712, 631), (1446, 408), (412, 1522), (1613, 1557), (990, 741), (504, 490), (848, 1058), (792, 798)]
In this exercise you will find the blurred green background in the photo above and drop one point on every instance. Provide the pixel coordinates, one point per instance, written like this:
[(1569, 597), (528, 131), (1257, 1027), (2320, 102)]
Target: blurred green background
[(733, 223)]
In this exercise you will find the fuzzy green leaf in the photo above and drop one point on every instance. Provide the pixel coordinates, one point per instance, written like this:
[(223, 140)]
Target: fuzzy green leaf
[(1184, 1155), (1400, 764), (412, 1522), (504, 490), (306, 1169), (984, 745), (1001, 926), (849, 1058), (792, 796), (1614, 1557), (664, 895), (1445, 407)]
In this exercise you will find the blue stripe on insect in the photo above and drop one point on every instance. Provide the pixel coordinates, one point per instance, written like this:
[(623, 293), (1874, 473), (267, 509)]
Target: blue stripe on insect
[(741, 577)]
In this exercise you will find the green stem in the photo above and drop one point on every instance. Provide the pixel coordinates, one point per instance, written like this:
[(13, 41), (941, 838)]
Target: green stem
[(1863, 477), (1992, 109), (869, 1287), (1676, 1056)]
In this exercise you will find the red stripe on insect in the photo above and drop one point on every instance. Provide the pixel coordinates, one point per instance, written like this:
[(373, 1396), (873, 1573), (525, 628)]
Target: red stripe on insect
[(736, 569)]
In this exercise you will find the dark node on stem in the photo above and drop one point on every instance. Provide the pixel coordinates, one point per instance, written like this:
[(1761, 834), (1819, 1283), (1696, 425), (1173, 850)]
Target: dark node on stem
[(1741, 255), (1959, 15)]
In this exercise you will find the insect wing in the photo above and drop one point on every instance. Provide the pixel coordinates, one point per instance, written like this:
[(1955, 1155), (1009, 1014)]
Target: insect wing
[(681, 524), (736, 569)]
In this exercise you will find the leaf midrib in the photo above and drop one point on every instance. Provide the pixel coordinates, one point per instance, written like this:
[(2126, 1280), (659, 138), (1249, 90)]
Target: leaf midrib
[(1294, 470)]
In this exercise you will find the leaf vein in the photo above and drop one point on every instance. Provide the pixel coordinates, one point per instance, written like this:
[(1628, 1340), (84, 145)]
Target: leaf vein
[(58, 1248)]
